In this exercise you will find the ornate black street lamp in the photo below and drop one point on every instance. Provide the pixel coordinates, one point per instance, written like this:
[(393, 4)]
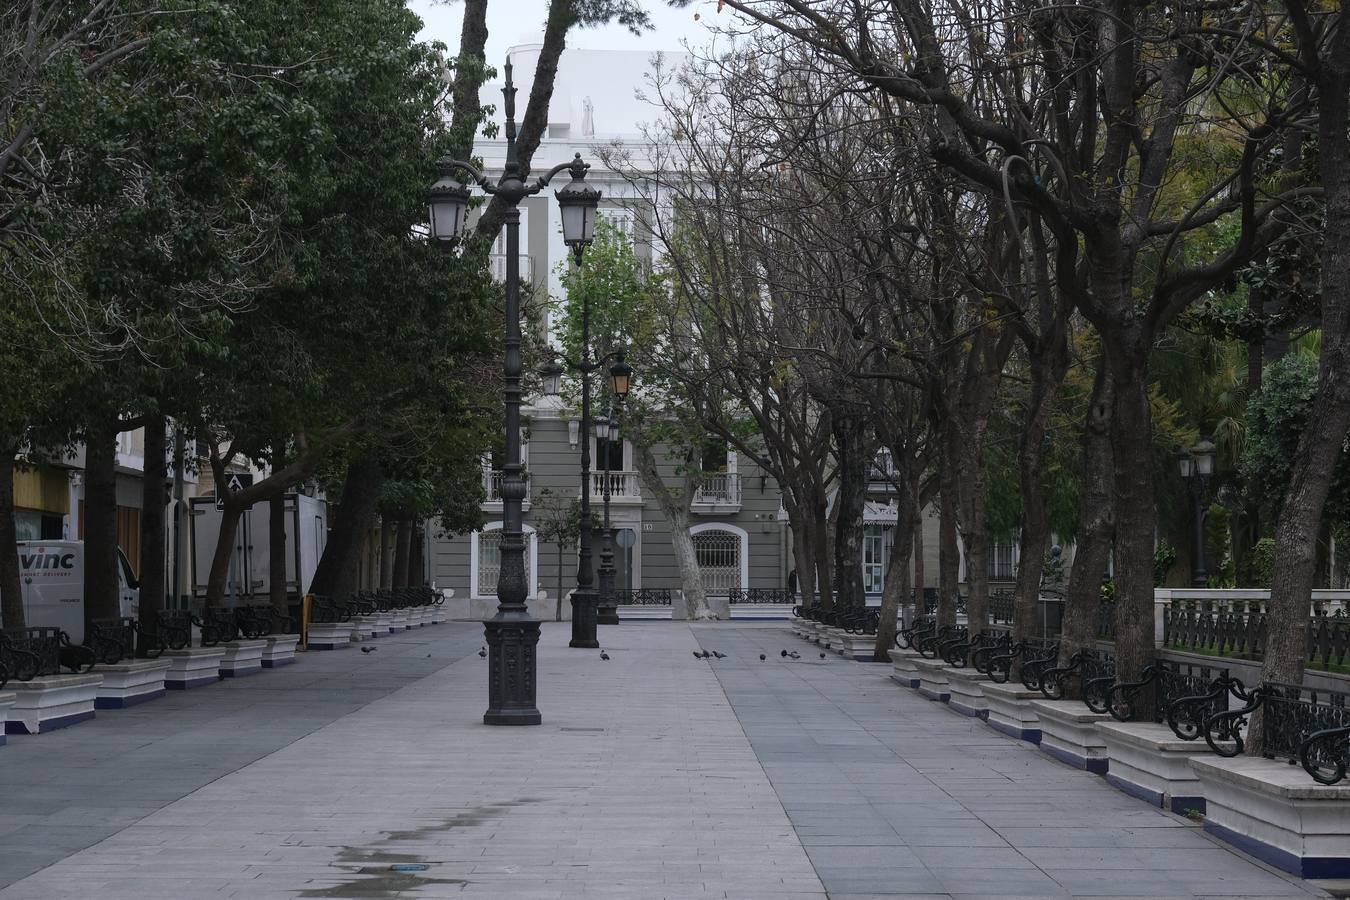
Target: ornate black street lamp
[(1197, 465), (584, 597), (607, 608), (512, 634)]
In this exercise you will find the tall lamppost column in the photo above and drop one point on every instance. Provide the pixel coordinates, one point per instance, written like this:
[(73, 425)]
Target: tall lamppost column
[(512, 635), (583, 597), (1197, 465), (607, 610)]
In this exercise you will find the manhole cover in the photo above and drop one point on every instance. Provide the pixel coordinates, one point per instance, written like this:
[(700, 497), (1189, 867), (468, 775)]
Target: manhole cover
[(408, 867)]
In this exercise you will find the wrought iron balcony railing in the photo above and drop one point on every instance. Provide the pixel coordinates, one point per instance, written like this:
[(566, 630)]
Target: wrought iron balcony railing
[(720, 491)]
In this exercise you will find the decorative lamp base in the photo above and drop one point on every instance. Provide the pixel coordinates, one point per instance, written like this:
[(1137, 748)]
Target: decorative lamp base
[(583, 621), (607, 613), (512, 644)]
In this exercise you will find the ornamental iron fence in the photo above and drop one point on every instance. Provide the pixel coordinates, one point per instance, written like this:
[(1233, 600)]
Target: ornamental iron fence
[(643, 597), (759, 596), (1224, 632)]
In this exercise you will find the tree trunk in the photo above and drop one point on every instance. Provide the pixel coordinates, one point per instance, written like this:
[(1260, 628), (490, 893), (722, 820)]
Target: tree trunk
[(1319, 448), (1096, 524), (974, 532), (1135, 512), (975, 539), (402, 551), (896, 589), (356, 510), (676, 511), (387, 542), (100, 522), (894, 592), (276, 542), (949, 553), (686, 558), (561, 16), (276, 553), (1033, 542), (417, 557), (217, 582), (818, 525), (11, 586), (920, 575), (1300, 518), (850, 502), (464, 95), (805, 565), (153, 503)]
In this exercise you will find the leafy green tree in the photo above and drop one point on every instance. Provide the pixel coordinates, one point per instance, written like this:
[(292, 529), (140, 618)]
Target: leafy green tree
[(625, 296), (361, 368), (1276, 418)]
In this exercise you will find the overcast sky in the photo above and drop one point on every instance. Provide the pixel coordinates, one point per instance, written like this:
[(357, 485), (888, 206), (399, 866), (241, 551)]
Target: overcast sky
[(509, 21)]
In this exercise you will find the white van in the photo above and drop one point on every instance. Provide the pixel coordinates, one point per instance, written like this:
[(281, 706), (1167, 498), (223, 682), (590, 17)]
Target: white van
[(52, 574)]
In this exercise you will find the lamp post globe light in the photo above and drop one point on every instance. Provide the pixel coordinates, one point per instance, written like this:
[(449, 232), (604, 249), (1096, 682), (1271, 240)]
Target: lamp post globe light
[(1196, 466), (512, 634)]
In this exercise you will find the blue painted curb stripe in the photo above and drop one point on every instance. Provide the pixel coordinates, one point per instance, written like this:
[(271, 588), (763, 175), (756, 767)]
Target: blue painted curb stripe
[(1302, 866), (1032, 735), (1088, 764), (124, 702), (46, 725), (183, 685), (1138, 791)]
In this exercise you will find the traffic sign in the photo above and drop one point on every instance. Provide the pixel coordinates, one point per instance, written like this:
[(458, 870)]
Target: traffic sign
[(234, 483)]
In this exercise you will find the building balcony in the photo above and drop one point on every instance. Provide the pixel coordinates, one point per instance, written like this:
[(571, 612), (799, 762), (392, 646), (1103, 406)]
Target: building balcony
[(719, 495), (492, 491), (624, 487)]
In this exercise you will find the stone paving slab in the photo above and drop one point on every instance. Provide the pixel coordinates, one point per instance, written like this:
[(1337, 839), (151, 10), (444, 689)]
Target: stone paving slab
[(64, 791), (640, 784), (654, 775), (897, 796)]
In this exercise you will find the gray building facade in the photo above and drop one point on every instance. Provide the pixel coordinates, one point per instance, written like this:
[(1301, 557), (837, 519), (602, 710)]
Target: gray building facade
[(739, 533)]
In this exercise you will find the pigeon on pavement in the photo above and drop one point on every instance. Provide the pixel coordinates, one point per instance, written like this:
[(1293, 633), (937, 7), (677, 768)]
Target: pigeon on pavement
[(719, 655), (604, 655), (697, 655), (369, 649), (782, 653), (482, 653), (762, 657), (822, 656), (795, 655)]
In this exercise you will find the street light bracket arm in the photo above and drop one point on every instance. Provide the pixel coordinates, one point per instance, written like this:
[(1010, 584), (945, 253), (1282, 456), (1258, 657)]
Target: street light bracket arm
[(583, 367), (446, 166), (574, 164)]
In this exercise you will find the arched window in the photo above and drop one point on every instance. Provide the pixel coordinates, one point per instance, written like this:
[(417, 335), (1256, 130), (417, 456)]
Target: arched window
[(723, 554), (485, 560)]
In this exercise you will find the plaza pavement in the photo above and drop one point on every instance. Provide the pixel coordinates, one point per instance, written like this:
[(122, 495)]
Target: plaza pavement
[(654, 775)]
